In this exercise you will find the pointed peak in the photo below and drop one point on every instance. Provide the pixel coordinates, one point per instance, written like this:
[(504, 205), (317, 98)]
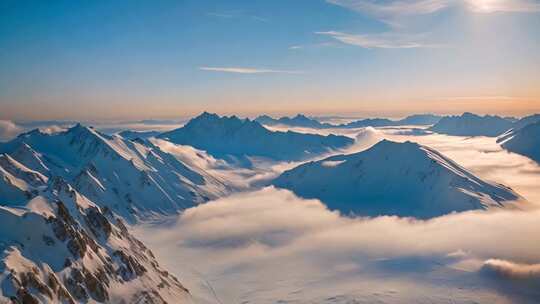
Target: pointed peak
[(385, 143), (300, 116), (77, 128), (206, 114)]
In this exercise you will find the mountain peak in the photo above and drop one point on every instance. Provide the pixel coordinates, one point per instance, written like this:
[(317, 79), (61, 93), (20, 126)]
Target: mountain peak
[(78, 128), (300, 116), (378, 181), (226, 136), (206, 116)]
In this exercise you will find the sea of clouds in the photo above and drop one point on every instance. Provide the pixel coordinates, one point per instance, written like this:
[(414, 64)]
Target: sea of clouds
[(270, 246)]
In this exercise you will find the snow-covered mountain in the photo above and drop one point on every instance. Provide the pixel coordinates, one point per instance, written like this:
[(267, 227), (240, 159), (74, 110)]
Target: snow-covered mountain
[(223, 136), (132, 178), (60, 247), (524, 141), (469, 124), (64, 198), (404, 179)]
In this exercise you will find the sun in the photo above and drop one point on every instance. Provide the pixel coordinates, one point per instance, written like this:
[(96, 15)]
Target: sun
[(486, 6)]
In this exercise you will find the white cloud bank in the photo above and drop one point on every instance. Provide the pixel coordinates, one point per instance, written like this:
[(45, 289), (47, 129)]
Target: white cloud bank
[(513, 270), (269, 245), (8, 130)]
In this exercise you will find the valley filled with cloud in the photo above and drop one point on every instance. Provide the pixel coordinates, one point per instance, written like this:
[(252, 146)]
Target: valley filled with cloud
[(252, 247)]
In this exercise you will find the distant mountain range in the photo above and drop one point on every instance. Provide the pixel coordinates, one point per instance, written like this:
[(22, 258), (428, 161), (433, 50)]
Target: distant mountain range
[(404, 179), (299, 120), (223, 136), (469, 124), (303, 121)]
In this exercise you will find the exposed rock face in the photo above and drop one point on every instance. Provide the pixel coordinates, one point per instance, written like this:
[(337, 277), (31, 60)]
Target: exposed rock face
[(84, 254), (64, 202)]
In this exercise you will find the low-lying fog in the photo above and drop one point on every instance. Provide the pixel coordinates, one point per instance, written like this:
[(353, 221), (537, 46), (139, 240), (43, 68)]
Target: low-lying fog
[(268, 246)]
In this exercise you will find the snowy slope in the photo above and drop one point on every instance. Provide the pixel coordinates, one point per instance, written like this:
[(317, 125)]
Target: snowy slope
[(129, 177), (525, 141), (223, 136), (404, 179), (64, 198), (469, 124), (60, 247)]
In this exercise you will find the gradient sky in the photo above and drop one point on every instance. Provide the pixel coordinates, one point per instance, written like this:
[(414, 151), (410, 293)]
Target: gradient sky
[(164, 59)]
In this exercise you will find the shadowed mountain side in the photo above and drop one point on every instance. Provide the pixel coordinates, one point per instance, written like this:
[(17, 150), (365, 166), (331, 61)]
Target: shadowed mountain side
[(223, 136), (404, 179)]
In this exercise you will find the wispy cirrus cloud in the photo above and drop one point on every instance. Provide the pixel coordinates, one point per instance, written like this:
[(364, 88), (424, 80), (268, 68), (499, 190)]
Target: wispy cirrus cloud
[(388, 40), (244, 70), (393, 8), (389, 10), (8, 129)]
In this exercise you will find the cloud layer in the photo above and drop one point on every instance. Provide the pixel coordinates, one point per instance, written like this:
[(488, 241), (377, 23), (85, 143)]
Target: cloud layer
[(384, 41), (8, 130), (270, 245)]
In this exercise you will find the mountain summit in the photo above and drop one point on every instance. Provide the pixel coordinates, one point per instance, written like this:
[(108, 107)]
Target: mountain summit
[(223, 136), (64, 201), (404, 179), (129, 177)]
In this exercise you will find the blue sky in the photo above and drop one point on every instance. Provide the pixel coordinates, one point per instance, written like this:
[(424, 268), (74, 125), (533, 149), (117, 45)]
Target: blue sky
[(162, 59)]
